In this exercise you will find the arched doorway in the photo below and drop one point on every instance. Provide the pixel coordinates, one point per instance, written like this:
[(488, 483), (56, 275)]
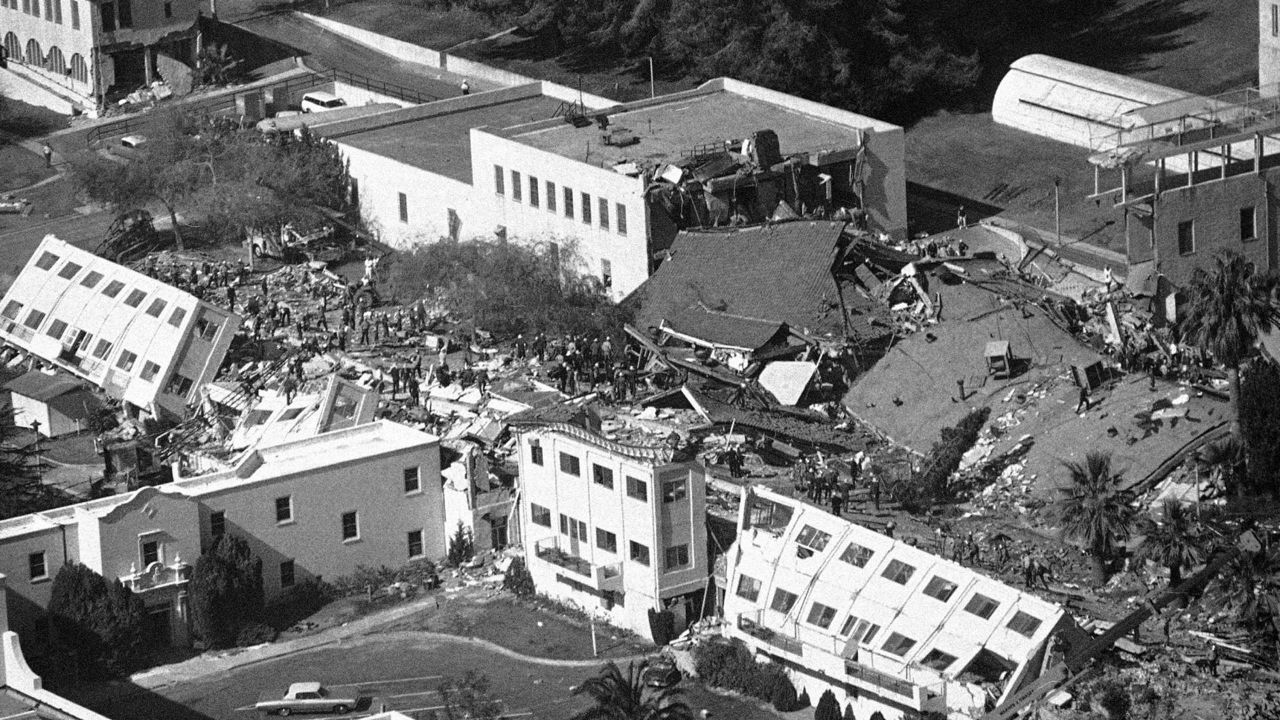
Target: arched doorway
[(34, 56), (55, 61), (79, 71)]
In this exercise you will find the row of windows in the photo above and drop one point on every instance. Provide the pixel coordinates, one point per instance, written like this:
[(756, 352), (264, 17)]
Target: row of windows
[(672, 490), (134, 298), (537, 199), (822, 615), (54, 60), (1248, 230), (52, 10), (350, 523), (675, 557)]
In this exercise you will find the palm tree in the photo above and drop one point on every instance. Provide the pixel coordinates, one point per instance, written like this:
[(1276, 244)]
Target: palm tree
[(1221, 458), (626, 697), (1092, 510), (1227, 308), (1174, 543)]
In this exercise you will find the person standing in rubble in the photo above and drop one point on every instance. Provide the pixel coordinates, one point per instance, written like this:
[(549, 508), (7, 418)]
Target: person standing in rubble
[(962, 218), (874, 482)]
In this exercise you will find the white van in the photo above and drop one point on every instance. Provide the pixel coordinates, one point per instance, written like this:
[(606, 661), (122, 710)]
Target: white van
[(321, 101)]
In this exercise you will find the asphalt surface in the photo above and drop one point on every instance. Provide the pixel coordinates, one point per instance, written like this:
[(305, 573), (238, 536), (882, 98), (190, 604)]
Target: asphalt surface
[(323, 50), (402, 673)]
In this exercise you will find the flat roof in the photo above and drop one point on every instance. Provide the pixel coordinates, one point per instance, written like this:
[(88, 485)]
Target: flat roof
[(442, 143), (668, 129)]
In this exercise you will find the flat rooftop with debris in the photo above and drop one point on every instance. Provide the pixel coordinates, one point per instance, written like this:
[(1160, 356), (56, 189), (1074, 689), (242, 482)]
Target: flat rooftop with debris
[(438, 139), (676, 125)]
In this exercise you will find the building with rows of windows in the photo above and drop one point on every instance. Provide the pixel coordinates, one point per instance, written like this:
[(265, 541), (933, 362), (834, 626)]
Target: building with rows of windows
[(617, 529), (142, 341), (66, 54), (321, 506), (610, 184), (888, 627)]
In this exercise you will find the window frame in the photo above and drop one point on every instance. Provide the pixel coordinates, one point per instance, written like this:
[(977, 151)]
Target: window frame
[(748, 588), (284, 512), (537, 511), (135, 297), (535, 454), (637, 489), (586, 207), (291, 575), (683, 558), (602, 476), (893, 572), (1251, 213), (825, 615), (112, 289), (72, 266), (1190, 227), (499, 180), (620, 218), (517, 192), (568, 202), (940, 588), (217, 523), (606, 540), (784, 598), (412, 484), (1026, 623), (31, 567), (421, 544), (91, 278), (901, 644), (403, 200), (551, 197), (602, 212), (355, 523), (982, 602), (533, 192), (573, 468), (675, 490), (639, 553)]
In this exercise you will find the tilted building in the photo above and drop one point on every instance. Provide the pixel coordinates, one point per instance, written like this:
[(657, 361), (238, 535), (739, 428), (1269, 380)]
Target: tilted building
[(888, 627), (142, 341), (618, 529)]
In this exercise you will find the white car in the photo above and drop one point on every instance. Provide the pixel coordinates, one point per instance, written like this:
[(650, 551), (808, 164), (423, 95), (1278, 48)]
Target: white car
[(133, 141), (321, 101)]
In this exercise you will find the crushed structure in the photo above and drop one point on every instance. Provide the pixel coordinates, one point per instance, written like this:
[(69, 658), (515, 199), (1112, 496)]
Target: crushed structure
[(888, 627), (141, 341)]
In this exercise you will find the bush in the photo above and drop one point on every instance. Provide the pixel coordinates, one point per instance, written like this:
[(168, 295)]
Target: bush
[(828, 707), (255, 634), (1113, 699), (730, 665), (932, 485), (99, 622), (226, 591), (848, 712), (420, 573), (461, 549), (518, 579), (298, 602)]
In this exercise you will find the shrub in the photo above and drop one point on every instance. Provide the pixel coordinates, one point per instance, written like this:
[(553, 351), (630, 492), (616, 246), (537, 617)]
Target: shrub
[(255, 634), (932, 484), (1113, 699), (848, 713), (226, 591), (518, 579), (828, 707), (99, 622), (298, 602), (461, 549), (418, 572)]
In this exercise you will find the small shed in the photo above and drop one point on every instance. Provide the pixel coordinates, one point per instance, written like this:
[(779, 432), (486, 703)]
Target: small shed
[(60, 403), (999, 359)]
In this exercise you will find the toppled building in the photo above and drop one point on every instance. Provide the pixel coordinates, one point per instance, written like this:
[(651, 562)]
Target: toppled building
[(139, 340), (888, 627)]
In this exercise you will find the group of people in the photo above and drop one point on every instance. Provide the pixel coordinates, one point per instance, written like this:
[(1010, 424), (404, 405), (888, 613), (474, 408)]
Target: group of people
[(823, 483)]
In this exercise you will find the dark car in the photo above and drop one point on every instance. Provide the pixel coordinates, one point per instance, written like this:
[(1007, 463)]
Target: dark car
[(661, 673)]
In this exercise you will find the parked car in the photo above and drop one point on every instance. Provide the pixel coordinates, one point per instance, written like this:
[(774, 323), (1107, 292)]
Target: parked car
[(661, 673), (133, 141), (306, 697), (321, 101)]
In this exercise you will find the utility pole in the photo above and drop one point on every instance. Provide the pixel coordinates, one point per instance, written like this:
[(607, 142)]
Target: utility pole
[(594, 651), (1057, 218), (651, 92)]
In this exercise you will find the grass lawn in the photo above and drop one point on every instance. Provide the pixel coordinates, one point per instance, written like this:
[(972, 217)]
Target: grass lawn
[(520, 627), (20, 167)]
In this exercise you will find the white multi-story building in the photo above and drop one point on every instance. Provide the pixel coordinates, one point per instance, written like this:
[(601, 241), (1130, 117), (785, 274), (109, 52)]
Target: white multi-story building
[(508, 162), (317, 507), (142, 341), (888, 627), (619, 530), (66, 54)]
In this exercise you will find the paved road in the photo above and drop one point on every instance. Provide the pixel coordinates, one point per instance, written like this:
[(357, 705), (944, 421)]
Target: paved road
[(325, 50), (402, 672)]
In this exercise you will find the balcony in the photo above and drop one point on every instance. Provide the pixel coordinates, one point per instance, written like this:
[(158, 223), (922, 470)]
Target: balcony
[(882, 680), (752, 626), (157, 576), (598, 577)]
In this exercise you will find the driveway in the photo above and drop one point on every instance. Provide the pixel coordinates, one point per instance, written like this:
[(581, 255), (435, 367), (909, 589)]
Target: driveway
[(401, 671), (325, 50)]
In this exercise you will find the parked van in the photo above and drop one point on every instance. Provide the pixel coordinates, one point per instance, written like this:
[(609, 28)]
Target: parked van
[(321, 101)]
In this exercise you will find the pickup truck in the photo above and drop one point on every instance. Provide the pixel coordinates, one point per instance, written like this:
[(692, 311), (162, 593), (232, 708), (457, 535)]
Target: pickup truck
[(306, 697)]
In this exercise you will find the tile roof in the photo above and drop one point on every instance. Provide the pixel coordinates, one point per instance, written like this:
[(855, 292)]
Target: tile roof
[(777, 272)]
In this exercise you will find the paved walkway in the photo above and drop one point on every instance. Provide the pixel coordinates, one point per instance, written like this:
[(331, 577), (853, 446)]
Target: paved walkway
[(356, 632)]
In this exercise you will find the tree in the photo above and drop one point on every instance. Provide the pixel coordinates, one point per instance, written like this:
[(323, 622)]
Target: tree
[(469, 698), (828, 707), (226, 591), (99, 622), (1092, 510), (1227, 307), (1222, 457), (518, 579), (1174, 543), (21, 491), (626, 697), (461, 549), (222, 177)]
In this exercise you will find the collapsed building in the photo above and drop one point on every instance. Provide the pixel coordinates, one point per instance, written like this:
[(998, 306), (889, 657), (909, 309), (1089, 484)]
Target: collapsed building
[(141, 341), (888, 627)]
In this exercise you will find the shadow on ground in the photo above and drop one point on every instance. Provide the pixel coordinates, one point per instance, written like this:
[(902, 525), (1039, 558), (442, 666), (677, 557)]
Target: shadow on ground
[(933, 210), (122, 700)]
